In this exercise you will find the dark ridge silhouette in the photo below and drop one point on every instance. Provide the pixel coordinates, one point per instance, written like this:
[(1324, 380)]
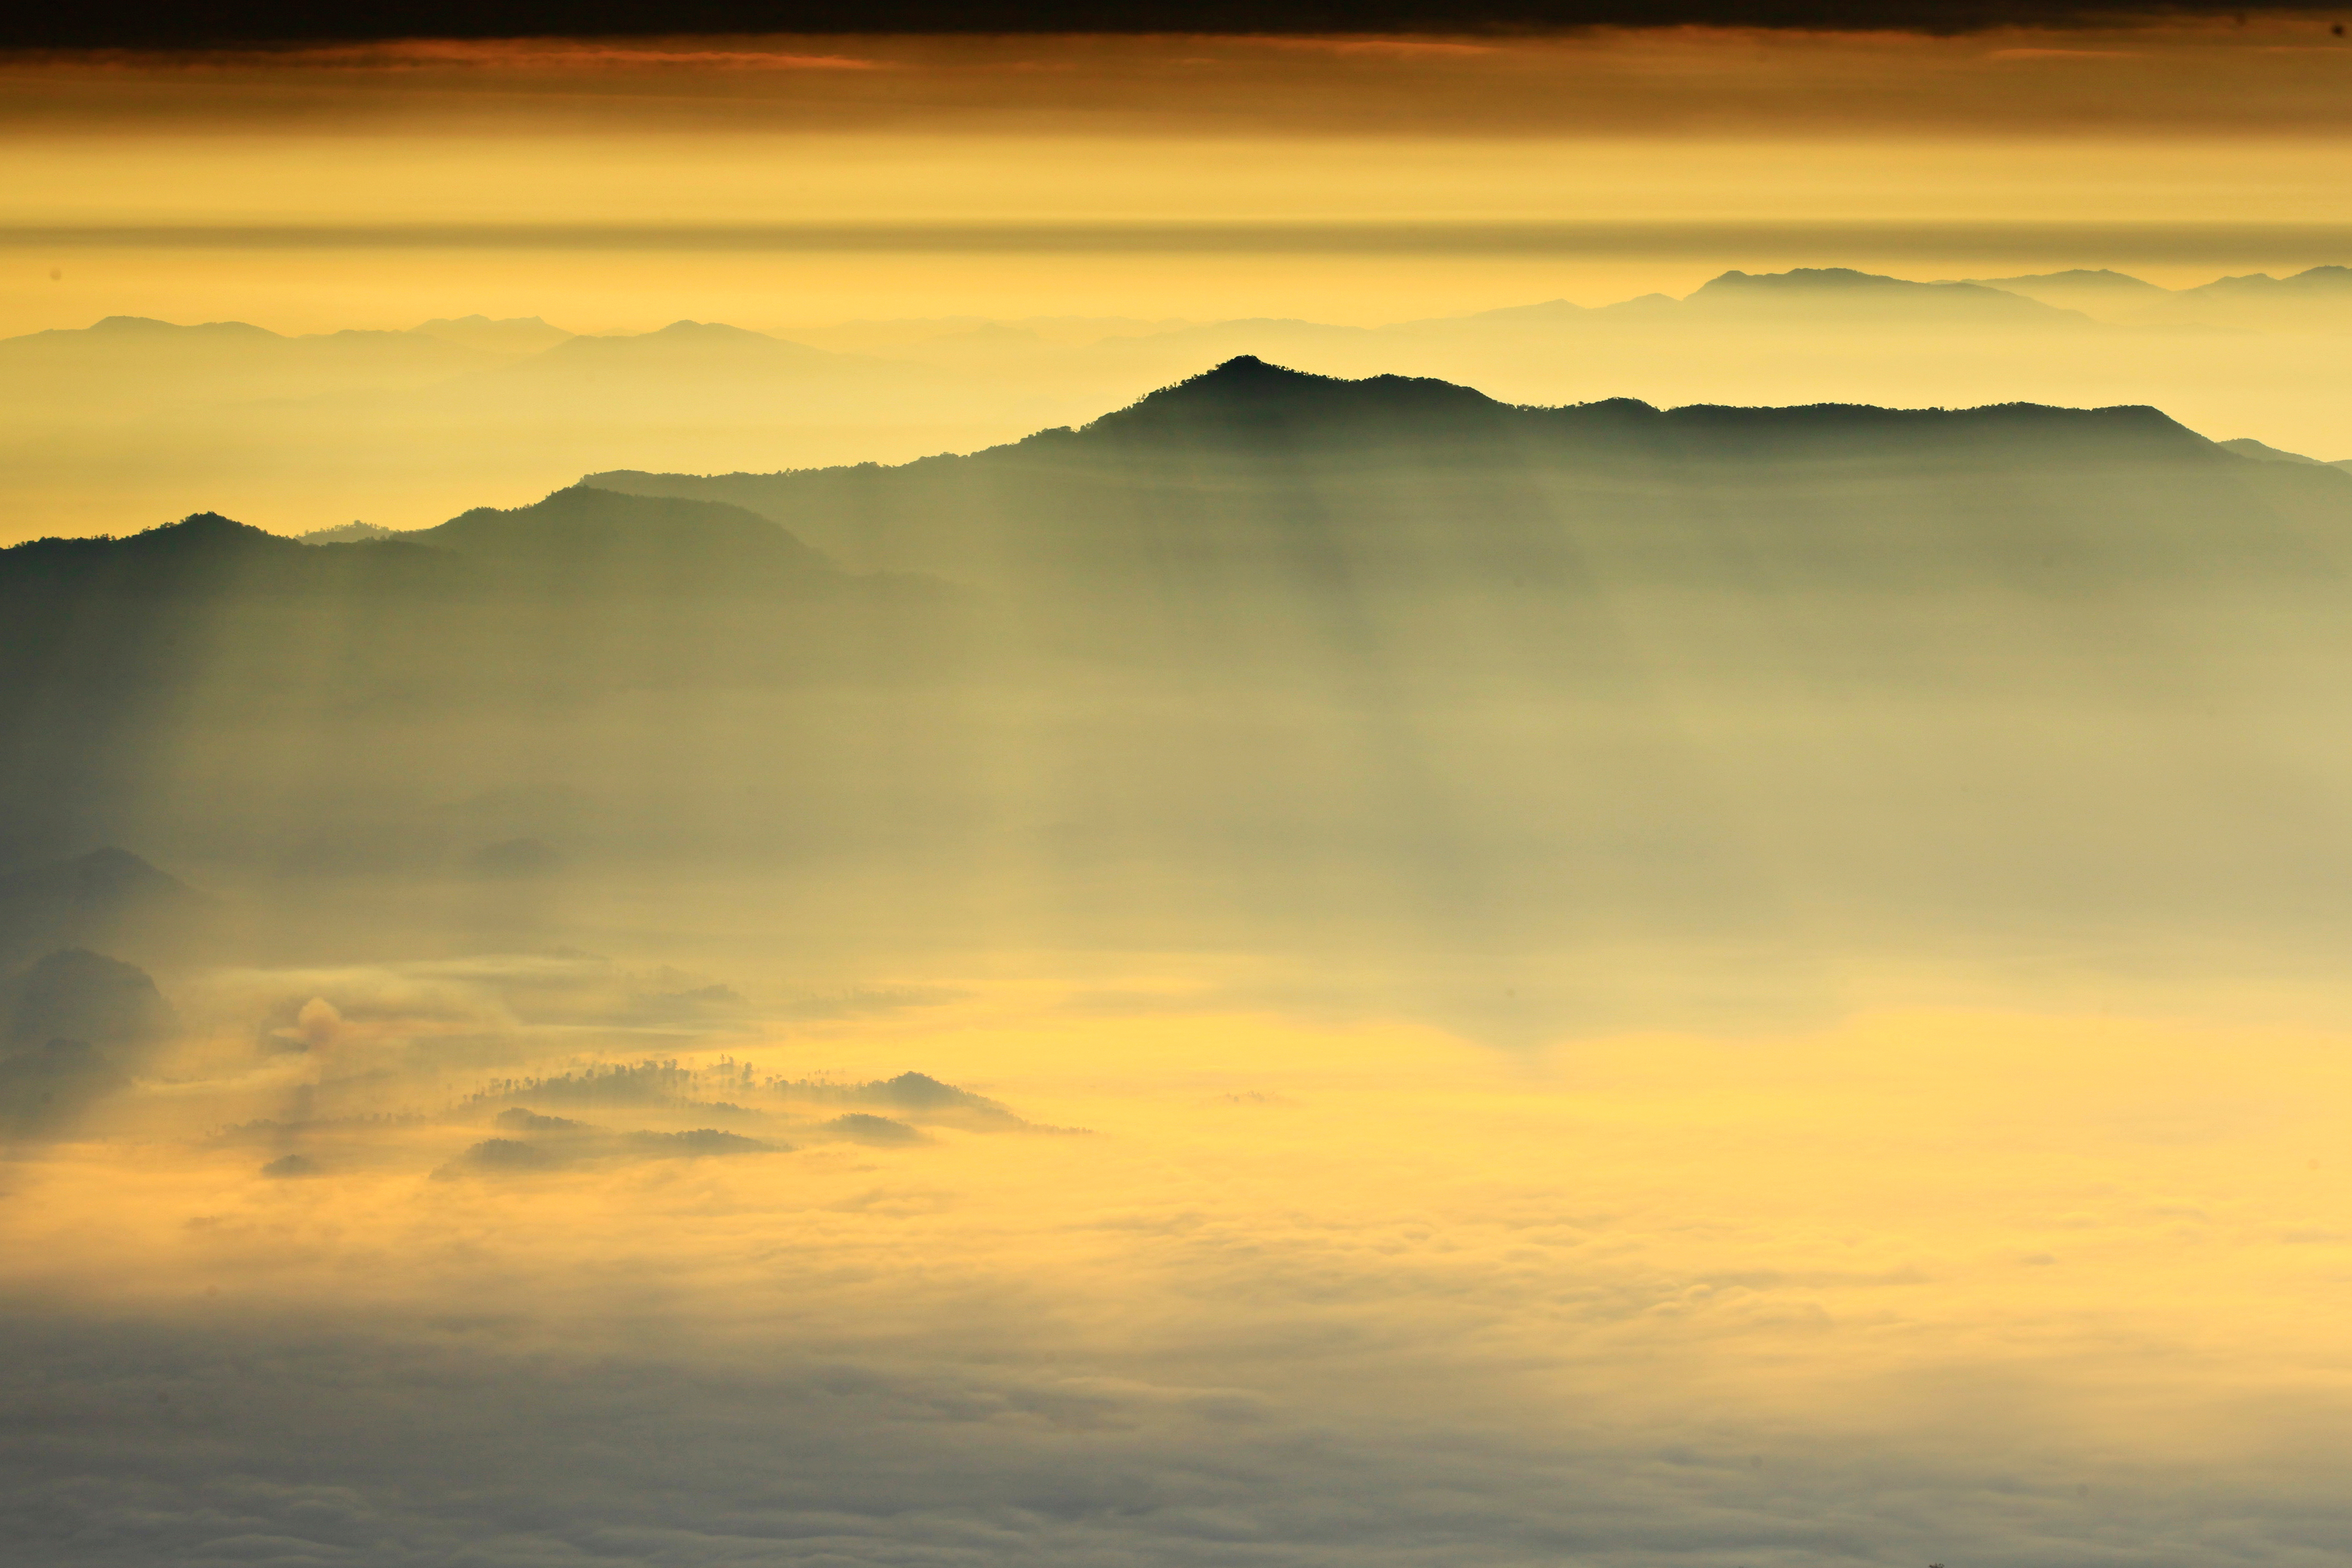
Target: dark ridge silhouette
[(1245, 407), (697, 1142), (860, 1127), (917, 1096), (203, 536), (206, 622), (1247, 399), (1254, 432), (106, 899), (583, 538), (1244, 528), (519, 1120)]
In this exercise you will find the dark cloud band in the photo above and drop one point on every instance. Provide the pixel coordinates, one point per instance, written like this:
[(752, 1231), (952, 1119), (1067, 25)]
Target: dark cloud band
[(2085, 243), (280, 21)]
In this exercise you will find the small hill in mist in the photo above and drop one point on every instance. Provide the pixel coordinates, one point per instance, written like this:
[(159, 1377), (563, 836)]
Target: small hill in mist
[(583, 539), (76, 995), (2098, 292)]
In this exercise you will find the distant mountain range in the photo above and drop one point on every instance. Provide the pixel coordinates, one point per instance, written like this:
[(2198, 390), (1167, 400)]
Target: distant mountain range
[(147, 360), (124, 424), (1249, 468)]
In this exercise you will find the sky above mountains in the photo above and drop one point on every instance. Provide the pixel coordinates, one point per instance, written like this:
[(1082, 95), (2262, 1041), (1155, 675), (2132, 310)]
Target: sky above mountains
[(1350, 177)]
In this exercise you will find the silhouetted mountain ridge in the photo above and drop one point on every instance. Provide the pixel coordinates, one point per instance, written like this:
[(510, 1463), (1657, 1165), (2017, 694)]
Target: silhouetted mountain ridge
[(577, 539), (1246, 406), (631, 544), (1245, 398), (1254, 468)]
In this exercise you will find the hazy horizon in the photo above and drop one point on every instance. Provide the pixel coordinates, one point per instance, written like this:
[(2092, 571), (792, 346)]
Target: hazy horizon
[(313, 432)]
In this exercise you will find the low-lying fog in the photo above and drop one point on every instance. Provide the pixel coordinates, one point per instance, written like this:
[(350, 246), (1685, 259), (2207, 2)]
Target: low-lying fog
[(1318, 974)]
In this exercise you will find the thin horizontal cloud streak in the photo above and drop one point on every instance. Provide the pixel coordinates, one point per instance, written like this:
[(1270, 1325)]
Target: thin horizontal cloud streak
[(2208, 243)]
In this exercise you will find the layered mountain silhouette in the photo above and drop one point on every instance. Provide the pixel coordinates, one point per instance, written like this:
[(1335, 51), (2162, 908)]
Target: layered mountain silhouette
[(113, 425), (1254, 463), (111, 648), (1384, 659), (576, 542)]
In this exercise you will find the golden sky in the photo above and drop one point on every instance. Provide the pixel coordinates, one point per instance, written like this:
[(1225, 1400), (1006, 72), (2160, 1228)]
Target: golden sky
[(621, 185)]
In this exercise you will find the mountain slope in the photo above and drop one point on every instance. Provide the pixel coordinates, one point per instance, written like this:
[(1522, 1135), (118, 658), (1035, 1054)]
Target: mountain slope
[(1388, 670), (108, 898), (1251, 460)]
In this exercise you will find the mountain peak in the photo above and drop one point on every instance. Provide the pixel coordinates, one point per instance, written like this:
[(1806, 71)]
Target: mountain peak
[(1246, 396), (209, 531), (601, 534)]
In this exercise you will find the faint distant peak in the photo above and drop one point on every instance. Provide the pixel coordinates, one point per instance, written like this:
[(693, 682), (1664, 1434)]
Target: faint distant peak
[(2328, 279), (1797, 277), (683, 329), (1832, 280), (677, 346), (148, 326), (510, 334), (1831, 294), (2103, 278), (1544, 311)]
